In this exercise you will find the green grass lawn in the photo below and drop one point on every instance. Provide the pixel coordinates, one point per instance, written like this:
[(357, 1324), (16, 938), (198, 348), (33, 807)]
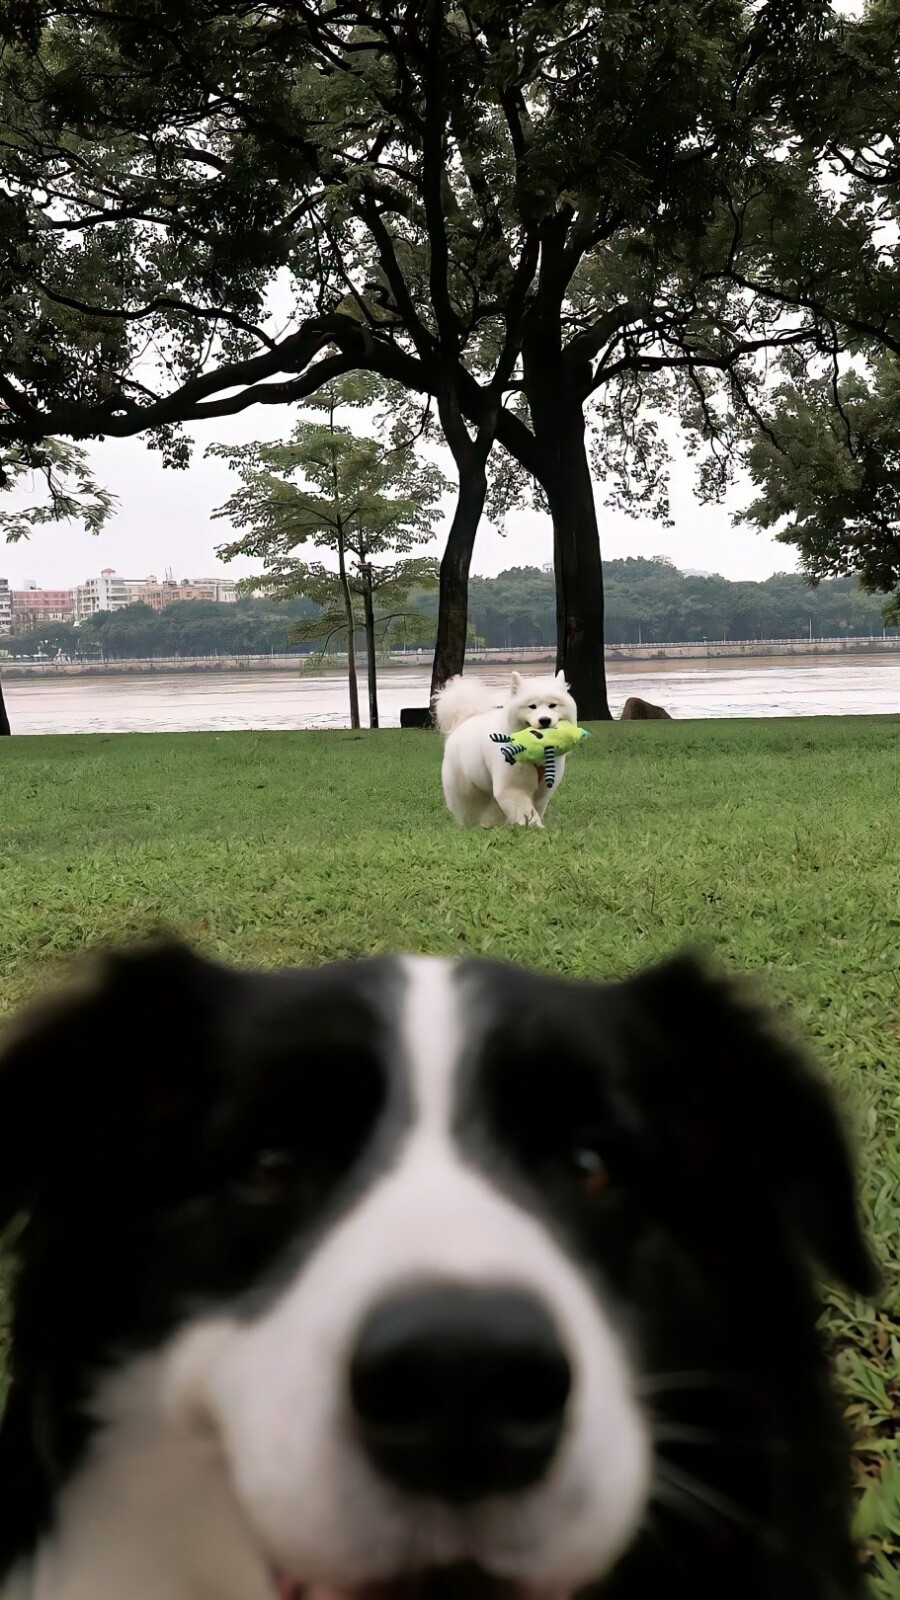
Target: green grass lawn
[(775, 845)]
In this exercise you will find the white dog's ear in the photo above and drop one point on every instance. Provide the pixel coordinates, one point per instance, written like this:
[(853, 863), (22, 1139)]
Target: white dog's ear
[(561, 678), (515, 682)]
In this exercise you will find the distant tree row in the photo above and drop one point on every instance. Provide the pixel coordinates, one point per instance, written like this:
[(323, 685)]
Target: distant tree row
[(649, 602), (191, 628)]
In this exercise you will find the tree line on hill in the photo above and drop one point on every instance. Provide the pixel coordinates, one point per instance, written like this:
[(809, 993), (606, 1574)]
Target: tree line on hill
[(648, 602), (652, 602)]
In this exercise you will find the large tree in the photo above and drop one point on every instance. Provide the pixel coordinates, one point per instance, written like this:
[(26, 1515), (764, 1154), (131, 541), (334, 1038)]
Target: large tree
[(364, 497), (512, 208)]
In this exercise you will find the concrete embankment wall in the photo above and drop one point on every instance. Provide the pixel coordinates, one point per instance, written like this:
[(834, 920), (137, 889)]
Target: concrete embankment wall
[(749, 649)]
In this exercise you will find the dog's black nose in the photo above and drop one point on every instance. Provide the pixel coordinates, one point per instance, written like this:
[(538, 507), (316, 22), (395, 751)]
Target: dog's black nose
[(544, 722), (460, 1393)]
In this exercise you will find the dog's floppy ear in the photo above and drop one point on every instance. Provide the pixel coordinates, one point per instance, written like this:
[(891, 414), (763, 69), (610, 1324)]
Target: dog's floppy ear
[(88, 1077), (730, 1096), (515, 683)]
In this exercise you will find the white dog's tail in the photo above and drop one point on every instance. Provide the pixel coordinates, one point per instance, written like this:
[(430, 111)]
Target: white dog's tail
[(462, 698)]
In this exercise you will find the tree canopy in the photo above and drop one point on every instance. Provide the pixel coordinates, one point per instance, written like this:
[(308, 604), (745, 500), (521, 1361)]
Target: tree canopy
[(829, 473), (519, 210)]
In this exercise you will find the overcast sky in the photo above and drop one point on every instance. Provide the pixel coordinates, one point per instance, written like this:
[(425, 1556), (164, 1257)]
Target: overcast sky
[(164, 520)]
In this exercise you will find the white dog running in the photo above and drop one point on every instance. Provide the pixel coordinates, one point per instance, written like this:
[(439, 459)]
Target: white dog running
[(481, 789)]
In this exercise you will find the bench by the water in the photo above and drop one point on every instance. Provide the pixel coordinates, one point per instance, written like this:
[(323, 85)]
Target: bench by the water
[(415, 717)]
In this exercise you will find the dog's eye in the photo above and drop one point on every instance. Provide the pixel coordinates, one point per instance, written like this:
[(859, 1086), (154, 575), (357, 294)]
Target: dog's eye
[(532, 708), (267, 1177), (589, 1163), (551, 705)]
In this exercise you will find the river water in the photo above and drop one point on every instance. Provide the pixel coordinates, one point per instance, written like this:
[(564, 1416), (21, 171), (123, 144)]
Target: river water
[(180, 702)]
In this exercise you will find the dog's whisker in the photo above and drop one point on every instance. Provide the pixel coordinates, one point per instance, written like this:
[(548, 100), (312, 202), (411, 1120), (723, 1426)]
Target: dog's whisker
[(661, 1383), (677, 1487), (678, 1433)]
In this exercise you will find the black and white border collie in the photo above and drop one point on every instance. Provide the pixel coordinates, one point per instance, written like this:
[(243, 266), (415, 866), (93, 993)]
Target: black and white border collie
[(407, 1278)]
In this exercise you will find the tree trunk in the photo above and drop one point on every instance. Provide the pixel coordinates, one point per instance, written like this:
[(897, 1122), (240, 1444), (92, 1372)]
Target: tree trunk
[(352, 680), (453, 591), (565, 476), (4, 719), (371, 670)]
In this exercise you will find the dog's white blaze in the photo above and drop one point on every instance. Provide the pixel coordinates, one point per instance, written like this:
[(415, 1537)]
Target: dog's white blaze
[(432, 1040), (272, 1393)]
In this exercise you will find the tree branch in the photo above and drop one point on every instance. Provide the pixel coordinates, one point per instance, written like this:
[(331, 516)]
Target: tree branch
[(448, 323)]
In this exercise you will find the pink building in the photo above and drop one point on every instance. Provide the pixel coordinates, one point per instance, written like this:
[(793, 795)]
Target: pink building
[(34, 608)]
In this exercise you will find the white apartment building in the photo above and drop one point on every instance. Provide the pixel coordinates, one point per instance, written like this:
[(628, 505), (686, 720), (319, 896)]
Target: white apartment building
[(109, 592), (159, 595), (5, 606), (222, 590)]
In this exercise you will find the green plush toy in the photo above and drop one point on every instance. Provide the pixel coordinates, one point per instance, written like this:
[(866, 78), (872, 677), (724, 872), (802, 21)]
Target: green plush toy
[(540, 746)]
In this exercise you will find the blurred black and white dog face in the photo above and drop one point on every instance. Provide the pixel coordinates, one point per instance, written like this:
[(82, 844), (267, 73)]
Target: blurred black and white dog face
[(408, 1279)]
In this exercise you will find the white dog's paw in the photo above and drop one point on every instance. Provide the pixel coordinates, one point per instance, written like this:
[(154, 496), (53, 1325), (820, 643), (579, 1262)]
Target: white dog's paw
[(520, 812)]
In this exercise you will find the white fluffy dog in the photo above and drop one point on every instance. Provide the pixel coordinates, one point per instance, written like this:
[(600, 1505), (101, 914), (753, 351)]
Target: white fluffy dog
[(481, 788)]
